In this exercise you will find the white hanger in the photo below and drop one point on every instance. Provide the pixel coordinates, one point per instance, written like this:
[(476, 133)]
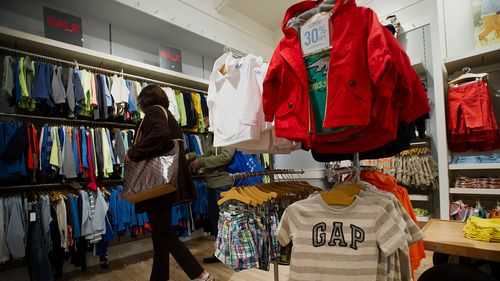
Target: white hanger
[(468, 76)]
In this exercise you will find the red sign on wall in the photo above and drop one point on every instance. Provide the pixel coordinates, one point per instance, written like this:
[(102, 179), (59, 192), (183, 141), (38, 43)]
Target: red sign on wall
[(171, 58), (62, 27)]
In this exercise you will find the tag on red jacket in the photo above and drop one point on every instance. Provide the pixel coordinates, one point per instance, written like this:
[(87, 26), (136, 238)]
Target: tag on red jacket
[(315, 34)]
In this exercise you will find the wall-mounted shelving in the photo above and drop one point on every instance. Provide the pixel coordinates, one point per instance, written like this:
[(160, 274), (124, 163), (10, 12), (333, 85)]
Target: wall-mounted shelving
[(18, 40), (476, 58), (419, 197), (475, 191), (475, 166)]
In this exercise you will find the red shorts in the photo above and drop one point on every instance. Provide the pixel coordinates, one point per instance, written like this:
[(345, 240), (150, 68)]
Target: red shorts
[(471, 120)]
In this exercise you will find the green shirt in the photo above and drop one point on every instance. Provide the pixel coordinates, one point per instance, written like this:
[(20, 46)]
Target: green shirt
[(317, 70)]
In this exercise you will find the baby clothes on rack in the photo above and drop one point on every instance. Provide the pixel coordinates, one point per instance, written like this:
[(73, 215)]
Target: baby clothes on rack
[(235, 88), (51, 153), (471, 122), (32, 86), (355, 235), (389, 184), (13, 151), (414, 167), (364, 105)]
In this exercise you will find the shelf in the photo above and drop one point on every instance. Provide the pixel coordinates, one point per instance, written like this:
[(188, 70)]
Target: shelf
[(422, 219), (419, 197), (54, 186), (419, 68), (476, 58), (475, 166), (475, 191), (68, 121), (23, 41)]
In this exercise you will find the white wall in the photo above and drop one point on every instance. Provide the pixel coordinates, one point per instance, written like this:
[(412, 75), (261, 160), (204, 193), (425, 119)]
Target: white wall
[(229, 27)]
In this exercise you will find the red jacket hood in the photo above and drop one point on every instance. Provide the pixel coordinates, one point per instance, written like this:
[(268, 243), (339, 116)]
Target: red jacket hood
[(303, 6)]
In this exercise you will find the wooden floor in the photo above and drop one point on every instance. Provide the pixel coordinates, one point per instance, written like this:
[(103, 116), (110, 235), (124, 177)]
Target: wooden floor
[(139, 270)]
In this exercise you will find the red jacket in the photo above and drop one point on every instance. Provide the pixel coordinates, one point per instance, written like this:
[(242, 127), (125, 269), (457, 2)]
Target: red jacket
[(370, 82), (359, 57), (400, 97)]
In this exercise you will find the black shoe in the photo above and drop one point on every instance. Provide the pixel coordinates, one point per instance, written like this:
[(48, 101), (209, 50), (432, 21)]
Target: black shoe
[(211, 259)]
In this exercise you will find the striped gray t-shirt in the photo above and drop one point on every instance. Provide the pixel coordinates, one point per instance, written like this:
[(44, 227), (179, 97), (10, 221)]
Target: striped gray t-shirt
[(336, 242)]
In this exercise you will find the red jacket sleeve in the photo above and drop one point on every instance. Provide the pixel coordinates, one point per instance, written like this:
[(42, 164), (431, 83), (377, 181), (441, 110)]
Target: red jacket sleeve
[(378, 52), (271, 87)]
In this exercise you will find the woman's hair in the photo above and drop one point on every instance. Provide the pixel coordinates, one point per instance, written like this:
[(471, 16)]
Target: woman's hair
[(152, 95)]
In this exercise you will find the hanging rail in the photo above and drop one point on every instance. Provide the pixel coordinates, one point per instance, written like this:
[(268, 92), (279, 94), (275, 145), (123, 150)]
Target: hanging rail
[(266, 173), (102, 70), (67, 121), (70, 185), (80, 122)]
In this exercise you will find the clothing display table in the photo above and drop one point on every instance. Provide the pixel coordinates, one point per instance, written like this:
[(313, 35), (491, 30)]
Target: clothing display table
[(447, 237)]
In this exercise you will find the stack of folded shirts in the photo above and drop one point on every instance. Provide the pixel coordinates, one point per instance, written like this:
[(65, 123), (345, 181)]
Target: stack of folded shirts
[(482, 229), (465, 182)]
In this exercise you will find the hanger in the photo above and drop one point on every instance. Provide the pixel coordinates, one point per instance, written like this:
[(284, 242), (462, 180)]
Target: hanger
[(233, 194), (344, 193), (468, 75)]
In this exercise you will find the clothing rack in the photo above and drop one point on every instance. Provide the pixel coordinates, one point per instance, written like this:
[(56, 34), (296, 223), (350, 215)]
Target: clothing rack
[(67, 121), (100, 69), (75, 185), (78, 122), (243, 175), (237, 176)]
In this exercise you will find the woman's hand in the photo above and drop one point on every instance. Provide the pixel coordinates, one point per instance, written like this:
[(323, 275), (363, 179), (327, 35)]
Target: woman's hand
[(195, 165), (127, 159)]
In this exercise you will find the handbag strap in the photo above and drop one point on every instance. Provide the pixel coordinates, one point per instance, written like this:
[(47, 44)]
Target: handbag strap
[(140, 125)]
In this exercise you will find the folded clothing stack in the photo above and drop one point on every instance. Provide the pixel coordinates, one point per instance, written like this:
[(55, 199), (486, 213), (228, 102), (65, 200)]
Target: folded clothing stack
[(482, 229), (466, 182), (474, 159)]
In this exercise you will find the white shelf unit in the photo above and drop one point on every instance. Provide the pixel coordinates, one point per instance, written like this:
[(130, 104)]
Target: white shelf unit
[(480, 60), (419, 197), (422, 219), (475, 166), (475, 191), (477, 58), (18, 40), (419, 68)]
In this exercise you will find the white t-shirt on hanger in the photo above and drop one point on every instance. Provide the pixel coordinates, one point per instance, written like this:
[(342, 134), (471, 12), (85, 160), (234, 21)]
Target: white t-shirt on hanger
[(235, 107), (172, 102), (119, 90)]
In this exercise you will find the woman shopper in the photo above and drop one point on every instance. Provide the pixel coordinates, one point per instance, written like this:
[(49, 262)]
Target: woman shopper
[(157, 138)]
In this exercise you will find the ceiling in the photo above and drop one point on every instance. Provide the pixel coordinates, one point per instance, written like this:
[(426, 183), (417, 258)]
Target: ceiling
[(268, 13)]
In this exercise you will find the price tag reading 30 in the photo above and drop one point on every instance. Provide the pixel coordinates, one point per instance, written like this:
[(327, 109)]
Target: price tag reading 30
[(315, 34)]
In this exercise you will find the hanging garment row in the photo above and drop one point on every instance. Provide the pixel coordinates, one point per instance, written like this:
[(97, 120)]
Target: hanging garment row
[(248, 221), (30, 87), (369, 227), (52, 153), (49, 228), (360, 95), (414, 168), (65, 226)]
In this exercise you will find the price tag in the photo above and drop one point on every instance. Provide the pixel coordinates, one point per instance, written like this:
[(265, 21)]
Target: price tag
[(315, 34), (32, 216)]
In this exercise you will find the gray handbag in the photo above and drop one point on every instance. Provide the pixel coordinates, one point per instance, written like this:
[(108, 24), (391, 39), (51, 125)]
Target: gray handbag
[(154, 177)]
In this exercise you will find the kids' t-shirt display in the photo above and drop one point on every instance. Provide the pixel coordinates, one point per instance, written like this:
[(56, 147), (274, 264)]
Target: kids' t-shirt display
[(338, 243)]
